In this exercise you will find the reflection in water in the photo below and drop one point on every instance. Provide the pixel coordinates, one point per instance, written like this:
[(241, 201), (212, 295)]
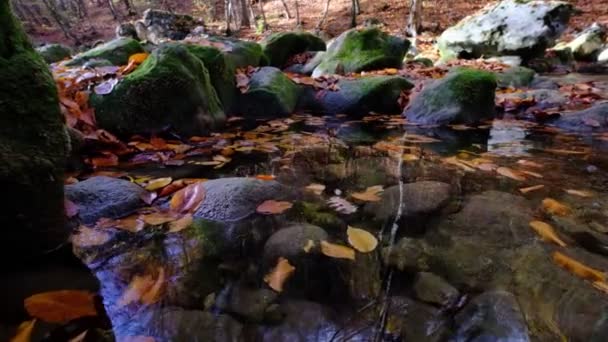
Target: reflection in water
[(509, 139)]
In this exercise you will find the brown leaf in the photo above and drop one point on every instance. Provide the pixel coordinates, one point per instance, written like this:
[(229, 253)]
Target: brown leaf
[(24, 332), (61, 306), (510, 173), (337, 251), (580, 193), (158, 218), (108, 159), (531, 188), (87, 237), (180, 224), (143, 288), (272, 207), (361, 239), (547, 232), (369, 195), (578, 268), (554, 207), (133, 223), (188, 199), (279, 274), (158, 183)]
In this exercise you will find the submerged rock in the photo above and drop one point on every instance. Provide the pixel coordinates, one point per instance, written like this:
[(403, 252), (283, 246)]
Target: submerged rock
[(431, 288), (592, 119), (33, 148), (53, 53), (271, 94), (170, 90), (116, 51), (462, 96), (361, 50), (278, 47), (509, 27), (104, 197)]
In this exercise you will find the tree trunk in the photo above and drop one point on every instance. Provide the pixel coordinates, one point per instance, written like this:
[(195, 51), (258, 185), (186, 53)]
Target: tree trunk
[(113, 9), (63, 23), (324, 17), (353, 14), (264, 23), (298, 20), (357, 7), (414, 24), (129, 7), (286, 8), (245, 22), (228, 15)]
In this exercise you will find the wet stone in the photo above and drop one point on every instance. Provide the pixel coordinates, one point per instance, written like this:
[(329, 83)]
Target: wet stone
[(431, 288)]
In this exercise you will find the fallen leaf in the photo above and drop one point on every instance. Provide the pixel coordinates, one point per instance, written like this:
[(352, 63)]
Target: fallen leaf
[(107, 159), (337, 251), (173, 187), (531, 188), (408, 157), (533, 174), (180, 224), (188, 199), (265, 177), (529, 163), (341, 205), (138, 57), (61, 306), (272, 207), (133, 223), (580, 193), (601, 285), (148, 197), (578, 268), (309, 246), (158, 183), (105, 87), (554, 207), (565, 152), (87, 237), (24, 332), (510, 173), (158, 218), (369, 195), (315, 188), (143, 288), (361, 239), (279, 274), (547, 232)]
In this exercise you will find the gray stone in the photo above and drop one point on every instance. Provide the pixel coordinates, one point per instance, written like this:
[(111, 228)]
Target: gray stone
[(104, 197), (289, 242), (53, 53), (158, 26), (516, 77), (588, 44), (279, 47), (116, 51), (589, 120), (431, 288), (250, 304), (126, 30), (271, 94)]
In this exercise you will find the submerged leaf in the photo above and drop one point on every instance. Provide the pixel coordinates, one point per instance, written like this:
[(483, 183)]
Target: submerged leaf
[(180, 224), (578, 268), (554, 207), (24, 332), (143, 288), (272, 207), (361, 239), (547, 232), (87, 237), (61, 306), (279, 274), (337, 251)]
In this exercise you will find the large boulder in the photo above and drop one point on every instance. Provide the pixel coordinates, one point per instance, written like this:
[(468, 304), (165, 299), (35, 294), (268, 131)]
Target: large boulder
[(170, 90), (157, 26), (116, 51), (361, 50), (358, 96), (463, 96), (587, 45), (33, 148), (270, 94), (603, 56), (592, 119), (510, 27), (53, 53), (278, 47), (242, 53)]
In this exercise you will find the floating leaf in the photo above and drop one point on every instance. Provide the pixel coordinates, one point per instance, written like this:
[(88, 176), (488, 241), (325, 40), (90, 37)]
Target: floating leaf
[(554, 207), (158, 218), (531, 188), (510, 173), (315, 188), (279, 274), (578, 268), (547, 232), (272, 207), (361, 239), (61, 306), (341, 205), (337, 251), (87, 237), (143, 288), (580, 193), (180, 224), (158, 183), (369, 195), (188, 199), (24, 332)]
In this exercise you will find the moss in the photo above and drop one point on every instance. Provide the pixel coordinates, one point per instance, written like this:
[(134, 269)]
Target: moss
[(116, 51), (270, 94), (170, 90), (211, 234), (314, 214), (280, 46), (33, 144), (53, 53)]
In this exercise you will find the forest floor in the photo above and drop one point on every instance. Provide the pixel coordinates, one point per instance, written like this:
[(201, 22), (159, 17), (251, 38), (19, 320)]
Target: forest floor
[(437, 16)]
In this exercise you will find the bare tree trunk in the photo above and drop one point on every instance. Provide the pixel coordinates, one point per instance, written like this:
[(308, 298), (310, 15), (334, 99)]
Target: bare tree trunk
[(357, 7), (228, 15), (245, 22), (264, 23), (63, 24), (113, 9), (353, 14), (286, 9), (414, 24), (298, 21), (129, 7), (324, 17)]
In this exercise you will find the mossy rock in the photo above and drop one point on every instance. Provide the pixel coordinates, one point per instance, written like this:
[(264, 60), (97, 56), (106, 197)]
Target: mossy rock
[(33, 148), (116, 51), (278, 47), (271, 94), (463, 96), (361, 50), (221, 72), (170, 90), (515, 77), (53, 53), (242, 53)]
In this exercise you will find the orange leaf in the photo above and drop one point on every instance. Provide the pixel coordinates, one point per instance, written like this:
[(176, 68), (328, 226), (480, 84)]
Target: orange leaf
[(138, 57), (188, 199), (272, 207), (61, 306), (181, 224), (265, 177), (132, 223), (547, 232), (279, 274), (369, 195), (361, 239), (554, 207), (578, 268), (531, 188), (337, 251), (510, 173), (158, 218), (108, 159), (144, 289), (24, 332), (173, 187)]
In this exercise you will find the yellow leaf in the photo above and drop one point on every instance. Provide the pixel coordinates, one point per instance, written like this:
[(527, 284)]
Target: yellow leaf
[(138, 57), (547, 232), (158, 183), (578, 268), (369, 195), (24, 332), (279, 274), (580, 193), (554, 207), (272, 207), (361, 239), (337, 251), (510, 173), (531, 188), (61, 306), (181, 224), (87, 237)]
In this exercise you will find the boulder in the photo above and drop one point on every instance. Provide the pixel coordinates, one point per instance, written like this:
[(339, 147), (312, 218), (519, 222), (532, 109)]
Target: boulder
[(509, 27), (290, 243), (53, 53), (462, 96), (271, 94), (170, 90), (158, 26), (602, 58), (241, 53), (278, 47), (432, 289), (33, 148), (116, 51), (362, 50), (104, 197), (517, 77), (587, 45), (592, 119), (358, 97), (126, 30)]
